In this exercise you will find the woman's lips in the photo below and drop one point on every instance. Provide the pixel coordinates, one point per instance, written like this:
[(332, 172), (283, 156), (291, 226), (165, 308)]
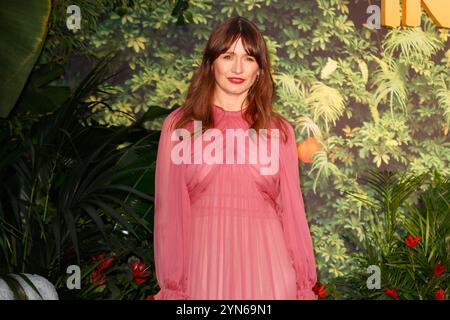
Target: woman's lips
[(236, 80)]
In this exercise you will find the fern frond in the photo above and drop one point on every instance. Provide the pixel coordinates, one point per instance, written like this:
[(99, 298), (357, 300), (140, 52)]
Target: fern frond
[(324, 167), (326, 103), (411, 41), (290, 85), (390, 80), (307, 124), (443, 95)]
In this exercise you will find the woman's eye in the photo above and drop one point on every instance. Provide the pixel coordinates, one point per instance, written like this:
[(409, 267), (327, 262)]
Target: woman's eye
[(229, 57)]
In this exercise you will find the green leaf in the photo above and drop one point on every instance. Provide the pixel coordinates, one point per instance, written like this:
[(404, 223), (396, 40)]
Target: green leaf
[(23, 28)]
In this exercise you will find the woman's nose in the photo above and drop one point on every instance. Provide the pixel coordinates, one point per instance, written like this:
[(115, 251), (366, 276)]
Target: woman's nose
[(237, 66)]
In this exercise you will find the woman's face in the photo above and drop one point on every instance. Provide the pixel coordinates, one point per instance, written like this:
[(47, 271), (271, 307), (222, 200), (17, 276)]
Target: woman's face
[(235, 71)]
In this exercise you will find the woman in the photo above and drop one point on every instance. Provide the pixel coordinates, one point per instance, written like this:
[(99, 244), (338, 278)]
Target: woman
[(227, 230)]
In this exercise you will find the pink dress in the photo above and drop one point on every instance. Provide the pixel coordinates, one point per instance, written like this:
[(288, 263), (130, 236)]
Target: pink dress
[(225, 231)]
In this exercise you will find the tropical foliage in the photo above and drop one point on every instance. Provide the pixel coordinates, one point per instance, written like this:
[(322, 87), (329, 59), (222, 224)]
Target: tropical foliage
[(409, 244), (373, 99), (72, 189), (28, 22)]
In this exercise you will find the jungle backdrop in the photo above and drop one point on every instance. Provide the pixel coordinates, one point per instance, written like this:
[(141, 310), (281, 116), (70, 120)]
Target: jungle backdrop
[(359, 100)]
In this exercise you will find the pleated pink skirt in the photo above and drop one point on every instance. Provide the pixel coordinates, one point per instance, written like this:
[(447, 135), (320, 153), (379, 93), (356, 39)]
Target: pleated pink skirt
[(237, 246)]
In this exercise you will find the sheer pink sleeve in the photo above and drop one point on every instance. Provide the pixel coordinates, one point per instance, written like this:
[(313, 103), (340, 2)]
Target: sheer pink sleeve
[(294, 222), (172, 206)]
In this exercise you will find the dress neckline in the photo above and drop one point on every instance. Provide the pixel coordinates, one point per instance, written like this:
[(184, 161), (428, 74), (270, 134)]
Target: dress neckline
[(237, 112)]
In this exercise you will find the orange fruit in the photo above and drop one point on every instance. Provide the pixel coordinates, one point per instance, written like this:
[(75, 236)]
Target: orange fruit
[(306, 148)]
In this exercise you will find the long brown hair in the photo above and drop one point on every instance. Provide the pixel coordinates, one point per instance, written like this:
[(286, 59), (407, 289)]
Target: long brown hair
[(199, 100)]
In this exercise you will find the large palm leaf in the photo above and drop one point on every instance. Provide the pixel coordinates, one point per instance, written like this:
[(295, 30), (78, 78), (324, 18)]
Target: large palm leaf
[(23, 28)]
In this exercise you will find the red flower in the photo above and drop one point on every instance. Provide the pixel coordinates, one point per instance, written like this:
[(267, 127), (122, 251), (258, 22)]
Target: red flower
[(100, 256), (439, 294), (98, 278), (320, 290), (439, 269), (411, 241), (139, 275), (150, 298), (392, 292), (105, 264)]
